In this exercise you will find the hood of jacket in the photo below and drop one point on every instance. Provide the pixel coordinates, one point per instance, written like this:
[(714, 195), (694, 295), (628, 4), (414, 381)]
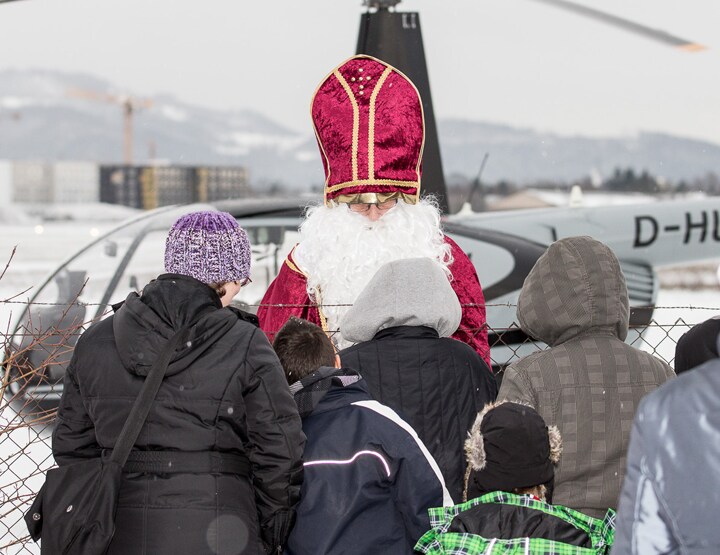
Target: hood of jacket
[(410, 292), (144, 323), (576, 286), (327, 389)]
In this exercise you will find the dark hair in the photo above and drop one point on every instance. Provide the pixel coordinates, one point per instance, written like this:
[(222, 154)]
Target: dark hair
[(219, 288), (302, 348)]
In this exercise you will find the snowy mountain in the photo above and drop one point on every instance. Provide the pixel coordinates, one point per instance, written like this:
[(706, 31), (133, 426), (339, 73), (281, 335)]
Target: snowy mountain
[(523, 155), (42, 118)]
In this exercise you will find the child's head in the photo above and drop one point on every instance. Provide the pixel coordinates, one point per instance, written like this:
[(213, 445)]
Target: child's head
[(302, 348), (509, 448)]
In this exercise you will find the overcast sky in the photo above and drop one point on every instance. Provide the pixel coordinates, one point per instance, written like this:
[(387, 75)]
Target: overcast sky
[(505, 61)]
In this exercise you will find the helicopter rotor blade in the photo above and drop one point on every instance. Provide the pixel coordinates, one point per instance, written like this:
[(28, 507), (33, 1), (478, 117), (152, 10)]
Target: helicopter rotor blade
[(626, 24)]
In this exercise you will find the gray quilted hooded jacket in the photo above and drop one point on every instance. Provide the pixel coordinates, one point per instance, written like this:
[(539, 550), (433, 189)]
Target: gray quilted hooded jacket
[(589, 382)]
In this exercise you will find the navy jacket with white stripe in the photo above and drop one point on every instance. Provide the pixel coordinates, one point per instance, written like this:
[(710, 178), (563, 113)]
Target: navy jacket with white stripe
[(369, 480)]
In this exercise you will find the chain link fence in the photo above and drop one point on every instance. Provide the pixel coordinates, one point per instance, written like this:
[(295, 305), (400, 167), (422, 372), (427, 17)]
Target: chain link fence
[(35, 357)]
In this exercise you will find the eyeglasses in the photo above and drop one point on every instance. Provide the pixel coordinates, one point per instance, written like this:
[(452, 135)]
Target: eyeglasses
[(365, 206), (245, 281)]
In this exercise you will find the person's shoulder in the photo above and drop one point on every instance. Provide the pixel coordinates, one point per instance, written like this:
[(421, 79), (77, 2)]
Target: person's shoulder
[(457, 252), (353, 350), (459, 348), (701, 336), (650, 359), (241, 326), (689, 394), (535, 363), (375, 412), (98, 331), (244, 316), (291, 262), (709, 327), (461, 351)]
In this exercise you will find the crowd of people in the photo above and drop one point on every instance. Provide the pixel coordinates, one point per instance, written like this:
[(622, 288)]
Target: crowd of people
[(358, 412)]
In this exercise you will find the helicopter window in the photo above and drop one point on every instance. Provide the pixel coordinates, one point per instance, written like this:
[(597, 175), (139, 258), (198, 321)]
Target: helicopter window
[(503, 261), (145, 265), (80, 282)]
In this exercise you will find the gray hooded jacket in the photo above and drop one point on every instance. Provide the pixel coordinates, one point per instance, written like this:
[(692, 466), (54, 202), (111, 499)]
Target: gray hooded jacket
[(589, 382), (410, 292), (403, 321)]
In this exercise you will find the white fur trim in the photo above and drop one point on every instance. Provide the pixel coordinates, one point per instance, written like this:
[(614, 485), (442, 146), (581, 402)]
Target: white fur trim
[(475, 443), (556, 447)]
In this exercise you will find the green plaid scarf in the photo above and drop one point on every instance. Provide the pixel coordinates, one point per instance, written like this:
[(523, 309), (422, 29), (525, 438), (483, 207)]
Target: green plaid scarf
[(438, 541)]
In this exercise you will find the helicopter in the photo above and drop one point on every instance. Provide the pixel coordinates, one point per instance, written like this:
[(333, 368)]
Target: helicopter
[(503, 246)]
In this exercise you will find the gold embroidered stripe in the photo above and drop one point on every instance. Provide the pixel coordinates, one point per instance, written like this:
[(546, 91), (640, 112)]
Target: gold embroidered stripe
[(289, 260), (371, 123), (356, 122), (323, 319), (408, 184), (292, 266), (327, 162)]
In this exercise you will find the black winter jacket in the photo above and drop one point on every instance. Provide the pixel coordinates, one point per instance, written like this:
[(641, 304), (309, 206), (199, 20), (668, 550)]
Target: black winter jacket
[(437, 384), (496, 520), (224, 391)]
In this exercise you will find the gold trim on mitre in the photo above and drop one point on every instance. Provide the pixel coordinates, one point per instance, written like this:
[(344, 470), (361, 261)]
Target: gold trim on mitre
[(375, 198), (356, 121), (371, 122), (410, 199)]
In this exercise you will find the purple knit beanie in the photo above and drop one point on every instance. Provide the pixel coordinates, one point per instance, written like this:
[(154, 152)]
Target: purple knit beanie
[(209, 246)]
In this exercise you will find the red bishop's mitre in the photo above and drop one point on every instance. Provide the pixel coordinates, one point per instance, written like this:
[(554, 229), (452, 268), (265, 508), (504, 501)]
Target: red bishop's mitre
[(369, 124)]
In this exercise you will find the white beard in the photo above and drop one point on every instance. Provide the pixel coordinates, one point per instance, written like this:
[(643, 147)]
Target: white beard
[(340, 251)]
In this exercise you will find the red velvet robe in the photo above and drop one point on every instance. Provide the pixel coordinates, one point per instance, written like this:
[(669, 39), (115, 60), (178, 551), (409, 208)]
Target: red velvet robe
[(287, 296)]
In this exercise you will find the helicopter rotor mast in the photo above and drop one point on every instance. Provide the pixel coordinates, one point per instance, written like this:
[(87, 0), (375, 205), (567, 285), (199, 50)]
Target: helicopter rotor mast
[(395, 38), (381, 4)]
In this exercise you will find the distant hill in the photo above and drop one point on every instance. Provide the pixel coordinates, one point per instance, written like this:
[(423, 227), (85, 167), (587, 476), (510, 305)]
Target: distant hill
[(39, 120), (524, 155)]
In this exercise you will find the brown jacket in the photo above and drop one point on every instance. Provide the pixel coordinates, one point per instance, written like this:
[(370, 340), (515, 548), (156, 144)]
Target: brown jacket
[(589, 382)]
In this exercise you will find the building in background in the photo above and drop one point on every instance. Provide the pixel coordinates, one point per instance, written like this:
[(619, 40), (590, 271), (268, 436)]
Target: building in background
[(153, 186), (144, 187), (31, 182), (75, 182)]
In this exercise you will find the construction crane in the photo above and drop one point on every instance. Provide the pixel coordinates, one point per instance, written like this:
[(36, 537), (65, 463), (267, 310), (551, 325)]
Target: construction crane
[(129, 106), (13, 116)]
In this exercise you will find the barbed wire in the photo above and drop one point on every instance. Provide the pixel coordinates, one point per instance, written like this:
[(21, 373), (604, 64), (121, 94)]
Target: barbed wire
[(346, 305)]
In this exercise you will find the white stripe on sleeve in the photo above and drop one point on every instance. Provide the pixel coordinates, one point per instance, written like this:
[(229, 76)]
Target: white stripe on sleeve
[(390, 414), (352, 460)]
